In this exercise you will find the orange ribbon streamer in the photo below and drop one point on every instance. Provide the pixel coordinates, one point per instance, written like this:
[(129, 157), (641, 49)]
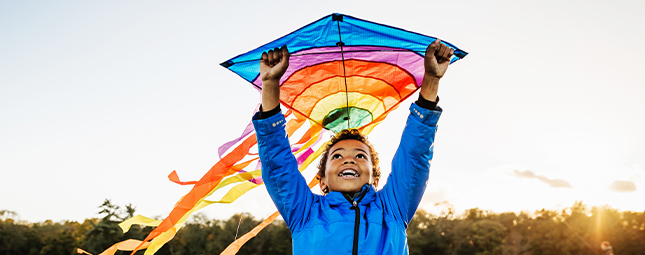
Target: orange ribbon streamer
[(202, 188), (210, 180)]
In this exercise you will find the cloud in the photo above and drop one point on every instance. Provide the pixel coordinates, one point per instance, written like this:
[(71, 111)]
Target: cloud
[(622, 186), (554, 183)]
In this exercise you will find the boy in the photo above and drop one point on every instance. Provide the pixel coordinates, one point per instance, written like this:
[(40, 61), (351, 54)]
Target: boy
[(352, 217)]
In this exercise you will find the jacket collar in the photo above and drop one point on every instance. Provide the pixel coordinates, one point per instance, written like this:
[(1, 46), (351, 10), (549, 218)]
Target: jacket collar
[(338, 198)]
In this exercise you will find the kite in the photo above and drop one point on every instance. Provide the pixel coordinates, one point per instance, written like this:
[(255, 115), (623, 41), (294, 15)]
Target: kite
[(344, 72)]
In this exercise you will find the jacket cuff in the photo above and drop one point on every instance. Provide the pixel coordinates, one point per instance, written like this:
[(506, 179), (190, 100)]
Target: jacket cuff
[(425, 116), (267, 114), (269, 125), (425, 103)]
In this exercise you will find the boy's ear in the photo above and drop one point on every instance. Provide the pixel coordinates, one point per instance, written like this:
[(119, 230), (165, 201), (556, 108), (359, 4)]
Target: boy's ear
[(375, 183), (322, 184)]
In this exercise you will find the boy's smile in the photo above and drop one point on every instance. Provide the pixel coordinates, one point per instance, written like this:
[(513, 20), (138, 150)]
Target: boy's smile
[(348, 167)]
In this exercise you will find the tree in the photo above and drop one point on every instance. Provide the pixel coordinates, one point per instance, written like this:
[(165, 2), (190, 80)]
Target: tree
[(106, 231), (6, 214)]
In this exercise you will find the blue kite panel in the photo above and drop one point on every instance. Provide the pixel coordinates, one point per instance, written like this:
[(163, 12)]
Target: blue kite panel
[(324, 33)]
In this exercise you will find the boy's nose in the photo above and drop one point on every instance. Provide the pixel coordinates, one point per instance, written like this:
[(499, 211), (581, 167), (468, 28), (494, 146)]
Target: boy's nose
[(349, 161)]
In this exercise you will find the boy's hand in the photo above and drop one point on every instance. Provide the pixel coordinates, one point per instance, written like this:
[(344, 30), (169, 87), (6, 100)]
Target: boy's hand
[(272, 66), (437, 59), (436, 63), (274, 63)]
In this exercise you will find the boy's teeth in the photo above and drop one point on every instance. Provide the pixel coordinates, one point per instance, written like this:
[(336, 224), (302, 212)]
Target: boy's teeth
[(348, 172)]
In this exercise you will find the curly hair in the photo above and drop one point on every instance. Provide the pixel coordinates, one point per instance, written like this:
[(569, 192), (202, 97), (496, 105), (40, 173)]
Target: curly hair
[(347, 134)]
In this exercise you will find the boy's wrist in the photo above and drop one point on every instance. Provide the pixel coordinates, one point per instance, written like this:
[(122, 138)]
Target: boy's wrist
[(430, 86), (270, 95), (430, 78), (271, 82)]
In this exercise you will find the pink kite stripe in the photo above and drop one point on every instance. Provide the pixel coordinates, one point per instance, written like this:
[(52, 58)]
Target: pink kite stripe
[(410, 61)]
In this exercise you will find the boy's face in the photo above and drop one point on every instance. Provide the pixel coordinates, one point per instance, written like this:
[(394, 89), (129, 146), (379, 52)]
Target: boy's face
[(348, 167)]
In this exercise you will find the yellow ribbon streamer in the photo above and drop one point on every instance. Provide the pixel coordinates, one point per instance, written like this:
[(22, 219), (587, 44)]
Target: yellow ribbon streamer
[(138, 220)]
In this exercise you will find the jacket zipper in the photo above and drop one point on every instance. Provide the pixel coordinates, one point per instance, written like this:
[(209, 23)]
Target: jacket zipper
[(357, 219), (357, 223)]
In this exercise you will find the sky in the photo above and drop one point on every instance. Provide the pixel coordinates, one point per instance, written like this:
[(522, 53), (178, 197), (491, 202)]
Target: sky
[(103, 99)]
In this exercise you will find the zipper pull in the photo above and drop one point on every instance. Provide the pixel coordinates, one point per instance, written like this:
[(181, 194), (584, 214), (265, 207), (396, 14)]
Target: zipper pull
[(355, 203)]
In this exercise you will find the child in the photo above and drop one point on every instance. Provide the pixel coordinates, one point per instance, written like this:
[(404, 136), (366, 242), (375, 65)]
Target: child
[(352, 217)]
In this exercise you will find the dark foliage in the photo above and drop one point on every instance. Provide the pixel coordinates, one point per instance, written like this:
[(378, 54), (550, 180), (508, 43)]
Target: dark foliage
[(578, 229)]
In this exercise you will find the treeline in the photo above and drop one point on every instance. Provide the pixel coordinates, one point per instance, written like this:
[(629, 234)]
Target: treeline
[(578, 229), (199, 236)]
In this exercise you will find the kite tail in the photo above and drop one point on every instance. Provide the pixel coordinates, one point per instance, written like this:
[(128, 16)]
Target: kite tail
[(203, 187), (212, 181)]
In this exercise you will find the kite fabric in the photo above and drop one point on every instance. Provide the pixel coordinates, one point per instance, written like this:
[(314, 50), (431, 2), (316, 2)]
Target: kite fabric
[(344, 72)]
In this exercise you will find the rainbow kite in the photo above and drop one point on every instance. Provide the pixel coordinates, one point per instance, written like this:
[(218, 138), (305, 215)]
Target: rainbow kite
[(344, 72)]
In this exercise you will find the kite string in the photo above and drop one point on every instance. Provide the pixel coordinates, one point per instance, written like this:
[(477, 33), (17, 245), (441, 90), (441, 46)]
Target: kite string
[(342, 55), (241, 215)]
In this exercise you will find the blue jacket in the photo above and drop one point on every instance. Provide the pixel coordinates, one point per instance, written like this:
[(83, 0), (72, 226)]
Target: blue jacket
[(326, 224)]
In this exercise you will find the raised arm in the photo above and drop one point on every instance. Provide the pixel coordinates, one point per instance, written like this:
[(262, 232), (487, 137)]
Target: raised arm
[(272, 66), (436, 63), (411, 164), (286, 186)]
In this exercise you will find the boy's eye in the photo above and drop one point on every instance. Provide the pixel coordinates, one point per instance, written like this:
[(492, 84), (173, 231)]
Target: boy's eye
[(335, 156), (361, 156)]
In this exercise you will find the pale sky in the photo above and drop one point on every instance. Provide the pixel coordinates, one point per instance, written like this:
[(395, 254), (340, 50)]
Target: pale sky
[(103, 99)]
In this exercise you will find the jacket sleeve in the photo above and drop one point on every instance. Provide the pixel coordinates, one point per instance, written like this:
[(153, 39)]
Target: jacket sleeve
[(286, 186), (411, 164)]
